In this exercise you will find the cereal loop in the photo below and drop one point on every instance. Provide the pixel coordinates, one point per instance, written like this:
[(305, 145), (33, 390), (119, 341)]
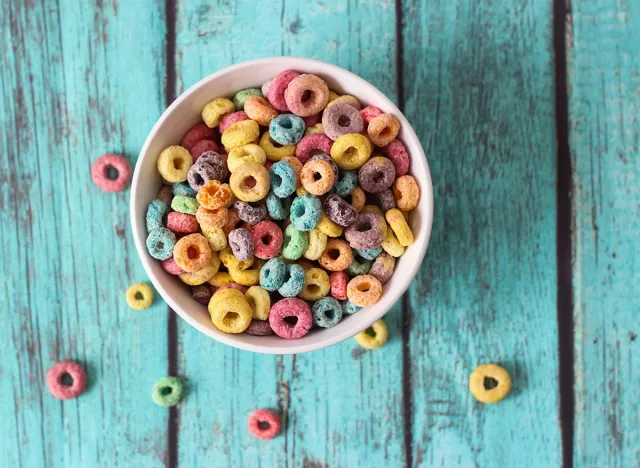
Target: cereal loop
[(383, 129), (192, 253), (346, 99), (337, 256), (316, 284), (174, 163), (195, 134), (267, 239), (240, 98), (400, 227), (358, 198), (240, 133), (216, 237), (338, 281), (306, 95), (100, 172), (376, 338), (317, 244), (244, 154), (341, 119), (328, 227), (250, 182), (398, 155), (317, 177), (291, 318), (406, 193), (277, 88), (71, 369), (215, 110), (310, 145), (351, 151), (259, 109), (364, 290), (369, 113), (264, 424), (214, 195), (260, 302), (489, 383), (210, 219), (203, 275), (231, 314), (139, 296), (168, 391)]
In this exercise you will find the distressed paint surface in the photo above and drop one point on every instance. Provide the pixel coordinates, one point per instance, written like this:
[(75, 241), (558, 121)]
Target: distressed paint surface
[(68, 76), (479, 89), (604, 92)]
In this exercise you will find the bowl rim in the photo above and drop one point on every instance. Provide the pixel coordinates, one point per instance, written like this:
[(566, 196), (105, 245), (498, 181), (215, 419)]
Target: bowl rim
[(419, 159)]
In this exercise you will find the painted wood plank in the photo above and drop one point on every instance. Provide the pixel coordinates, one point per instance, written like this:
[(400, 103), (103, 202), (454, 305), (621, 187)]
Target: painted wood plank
[(343, 406), (76, 83), (479, 88), (604, 97)]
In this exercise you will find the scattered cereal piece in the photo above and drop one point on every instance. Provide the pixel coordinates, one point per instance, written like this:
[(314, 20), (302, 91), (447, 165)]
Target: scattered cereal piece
[(104, 166), (139, 296), (264, 424), (375, 338), (71, 369), (168, 391), (489, 383)]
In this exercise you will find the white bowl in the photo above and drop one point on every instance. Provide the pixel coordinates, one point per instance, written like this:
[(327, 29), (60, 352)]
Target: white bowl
[(185, 112)]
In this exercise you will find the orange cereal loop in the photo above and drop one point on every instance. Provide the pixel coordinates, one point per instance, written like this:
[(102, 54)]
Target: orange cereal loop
[(317, 177), (211, 218), (399, 226), (297, 167), (275, 151), (213, 195), (250, 182), (357, 198), (337, 256), (383, 129), (192, 253), (406, 192), (233, 219), (364, 290), (259, 109)]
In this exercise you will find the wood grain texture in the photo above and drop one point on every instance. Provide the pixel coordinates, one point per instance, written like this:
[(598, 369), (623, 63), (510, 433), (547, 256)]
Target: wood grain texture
[(604, 92), (342, 406), (76, 83), (479, 89)]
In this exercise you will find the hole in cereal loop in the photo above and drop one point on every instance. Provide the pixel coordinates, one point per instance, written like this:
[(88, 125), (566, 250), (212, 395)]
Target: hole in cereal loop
[(264, 425), (285, 123), (306, 95), (344, 121), (291, 320), (139, 296), (192, 252), (250, 182), (370, 331), (166, 390), (490, 383), (178, 163), (111, 173), (66, 380)]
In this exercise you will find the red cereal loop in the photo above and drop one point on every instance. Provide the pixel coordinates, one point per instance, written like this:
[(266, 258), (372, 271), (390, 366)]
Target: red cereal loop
[(311, 145), (398, 155), (230, 119), (170, 266), (261, 418), (311, 121), (182, 223), (277, 88), (202, 147), (195, 134), (289, 308), (339, 280), (369, 113), (267, 239), (58, 371), (100, 172)]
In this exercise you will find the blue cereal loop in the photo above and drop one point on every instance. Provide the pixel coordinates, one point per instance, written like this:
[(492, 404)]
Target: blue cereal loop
[(160, 243), (346, 183), (294, 281), (305, 212), (349, 308), (368, 254), (183, 188), (283, 179), (278, 208), (273, 274), (327, 312), (155, 212), (286, 129)]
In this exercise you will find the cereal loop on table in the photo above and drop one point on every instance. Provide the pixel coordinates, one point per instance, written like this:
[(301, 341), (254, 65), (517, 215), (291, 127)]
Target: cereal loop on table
[(277, 88), (139, 296), (168, 391), (306, 95), (260, 110), (337, 256), (230, 314), (260, 302), (376, 338), (264, 424), (364, 290), (338, 281), (489, 383), (398, 155), (317, 177), (215, 110), (250, 182), (406, 193), (173, 164), (59, 389), (244, 154), (400, 227), (104, 166), (351, 151), (383, 129), (240, 133), (316, 284), (341, 119), (290, 318), (192, 253), (213, 195), (317, 244), (275, 151)]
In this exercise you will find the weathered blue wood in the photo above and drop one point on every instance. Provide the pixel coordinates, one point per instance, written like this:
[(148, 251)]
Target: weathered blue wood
[(76, 82), (343, 406), (604, 92), (479, 89)]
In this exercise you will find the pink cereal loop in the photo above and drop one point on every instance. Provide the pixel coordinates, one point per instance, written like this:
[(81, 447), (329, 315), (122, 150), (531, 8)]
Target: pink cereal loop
[(196, 133), (230, 119), (398, 155), (369, 113), (311, 145), (60, 390), (311, 121), (277, 88), (237, 286), (170, 266), (100, 171), (264, 416), (202, 147), (290, 307), (339, 280)]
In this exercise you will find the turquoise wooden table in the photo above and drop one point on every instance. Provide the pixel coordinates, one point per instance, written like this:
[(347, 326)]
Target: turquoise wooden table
[(528, 112)]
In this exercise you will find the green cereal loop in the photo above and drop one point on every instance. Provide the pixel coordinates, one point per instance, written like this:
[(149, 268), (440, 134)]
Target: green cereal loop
[(295, 243), (184, 204), (168, 391), (359, 266), (241, 97)]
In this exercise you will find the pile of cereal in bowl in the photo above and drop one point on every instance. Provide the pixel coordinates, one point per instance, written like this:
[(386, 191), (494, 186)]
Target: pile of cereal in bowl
[(285, 209)]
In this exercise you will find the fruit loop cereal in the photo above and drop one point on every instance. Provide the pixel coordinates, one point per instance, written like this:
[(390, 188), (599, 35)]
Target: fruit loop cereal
[(168, 391), (264, 424), (489, 383), (72, 370), (100, 172), (284, 209)]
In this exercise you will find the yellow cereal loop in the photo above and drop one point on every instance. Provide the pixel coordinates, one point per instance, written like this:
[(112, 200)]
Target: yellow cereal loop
[(333, 96), (139, 296), (245, 276), (216, 237), (225, 293), (405, 215), (230, 261), (391, 245), (174, 163), (328, 227), (215, 110), (316, 284), (314, 129), (374, 337), (274, 151), (230, 314), (244, 154), (250, 182), (240, 133), (372, 209), (301, 191), (489, 383), (351, 151), (220, 279), (399, 226), (346, 99), (259, 301), (317, 244), (205, 274)]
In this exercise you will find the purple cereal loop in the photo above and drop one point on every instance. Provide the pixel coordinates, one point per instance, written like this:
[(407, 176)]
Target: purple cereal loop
[(377, 174), (249, 213), (339, 211), (341, 119), (366, 232), (382, 268), (210, 165), (259, 328), (278, 86), (385, 199), (241, 243), (201, 294)]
